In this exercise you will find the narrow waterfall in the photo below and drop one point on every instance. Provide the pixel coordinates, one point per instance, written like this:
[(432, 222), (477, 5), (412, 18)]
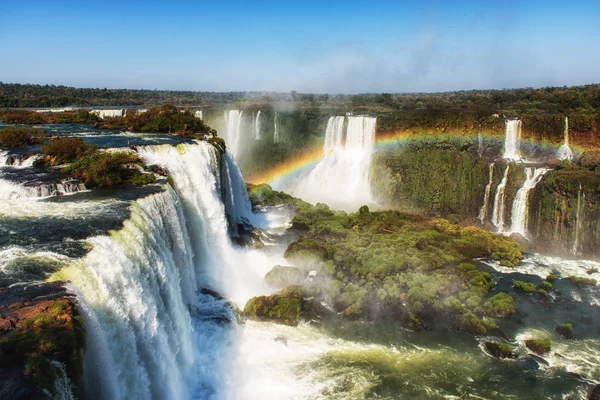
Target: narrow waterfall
[(480, 145), (199, 114), (276, 129), (520, 209), (237, 203), (17, 160), (498, 212), (565, 152), (233, 123), (486, 197), (512, 141), (341, 178), (102, 114), (257, 126), (578, 219)]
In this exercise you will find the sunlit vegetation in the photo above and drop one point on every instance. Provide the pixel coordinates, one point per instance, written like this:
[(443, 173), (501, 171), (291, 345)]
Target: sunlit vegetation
[(397, 265), (32, 117), (539, 345), (163, 119), (20, 137), (65, 150)]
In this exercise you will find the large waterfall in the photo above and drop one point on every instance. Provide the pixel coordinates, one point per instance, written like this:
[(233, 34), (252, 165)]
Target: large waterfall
[(512, 141), (498, 212), (565, 152), (520, 209), (233, 122), (486, 197), (152, 331), (341, 178)]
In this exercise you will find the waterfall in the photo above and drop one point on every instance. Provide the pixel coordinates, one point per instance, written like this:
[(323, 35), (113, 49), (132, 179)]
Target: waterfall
[(578, 219), (151, 331), (498, 212), (102, 114), (341, 178), (276, 129), (237, 203), (486, 197), (233, 122), (17, 160), (12, 191), (520, 209), (257, 126), (565, 152), (512, 141), (480, 145), (199, 114), (62, 384)]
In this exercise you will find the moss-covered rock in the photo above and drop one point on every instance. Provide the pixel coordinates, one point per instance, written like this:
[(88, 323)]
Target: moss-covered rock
[(539, 345), (284, 307), (524, 287), (499, 350), (500, 305), (566, 330), (581, 281)]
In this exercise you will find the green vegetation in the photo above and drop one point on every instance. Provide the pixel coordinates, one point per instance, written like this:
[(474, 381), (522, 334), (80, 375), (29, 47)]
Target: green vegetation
[(163, 119), (539, 345), (65, 150), (32, 117), (524, 287), (19, 137), (396, 265), (106, 169), (499, 350)]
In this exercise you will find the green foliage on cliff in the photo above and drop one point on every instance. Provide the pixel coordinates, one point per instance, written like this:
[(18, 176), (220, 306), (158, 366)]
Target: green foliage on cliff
[(65, 150), (283, 307), (164, 119), (106, 169), (539, 345), (32, 117), (19, 137)]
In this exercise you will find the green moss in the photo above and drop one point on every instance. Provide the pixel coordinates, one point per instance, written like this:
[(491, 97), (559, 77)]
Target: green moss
[(551, 278), (524, 287), (546, 285), (501, 305), (284, 307), (143, 179), (539, 345), (581, 281), (565, 330), (499, 350), (170, 181)]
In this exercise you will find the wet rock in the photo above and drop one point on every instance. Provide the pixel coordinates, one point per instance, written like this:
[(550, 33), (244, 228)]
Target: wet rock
[(499, 350), (157, 169), (566, 330), (595, 394)]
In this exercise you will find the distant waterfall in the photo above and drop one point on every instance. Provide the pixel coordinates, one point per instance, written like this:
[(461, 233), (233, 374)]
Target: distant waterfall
[(341, 178), (276, 129), (498, 212), (102, 114), (257, 126), (520, 209), (233, 122), (512, 141), (12, 191), (565, 152), (578, 219), (199, 114), (486, 197), (480, 145)]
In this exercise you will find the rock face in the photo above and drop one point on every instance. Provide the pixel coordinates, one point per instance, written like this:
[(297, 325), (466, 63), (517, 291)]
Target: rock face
[(595, 395), (284, 307), (39, 328)]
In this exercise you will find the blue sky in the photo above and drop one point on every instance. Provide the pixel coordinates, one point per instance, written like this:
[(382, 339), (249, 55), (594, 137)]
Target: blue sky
[(307, 46)]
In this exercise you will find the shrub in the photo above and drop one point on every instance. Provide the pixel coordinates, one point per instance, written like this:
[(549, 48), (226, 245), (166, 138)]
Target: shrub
[(539, 345), (501, 305), (19, 137), (66, 150), (104, 169), (565, 330), (581, 281), (524, 287)]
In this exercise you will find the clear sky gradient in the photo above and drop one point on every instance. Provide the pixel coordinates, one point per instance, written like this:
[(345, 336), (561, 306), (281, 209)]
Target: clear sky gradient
[(309, 46)]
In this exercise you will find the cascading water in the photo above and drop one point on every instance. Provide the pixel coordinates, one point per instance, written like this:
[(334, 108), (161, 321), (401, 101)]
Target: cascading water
[(12, 191), (486, 197), (520, 209), (199, 114), (17, 161), (341, 178), (578, 219), (512, 141), (276, 129), (498, 212), (480, 145), (565, 152), (233, 122), (257, 126), (102, 114)]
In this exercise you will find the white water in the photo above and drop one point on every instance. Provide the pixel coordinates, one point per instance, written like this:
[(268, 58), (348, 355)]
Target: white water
[(520, 209), (13, 191), (108, 113), (233, 122), (199, 114), (17, 161), (62, 384), (257, 126), (565, 152), (341, 178), (512, 141), (276, 129), (498, 212), (578, 219), (480, 145), (486, 197)]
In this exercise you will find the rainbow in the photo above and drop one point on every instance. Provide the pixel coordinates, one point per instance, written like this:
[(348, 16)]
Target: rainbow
[(310, 157)]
